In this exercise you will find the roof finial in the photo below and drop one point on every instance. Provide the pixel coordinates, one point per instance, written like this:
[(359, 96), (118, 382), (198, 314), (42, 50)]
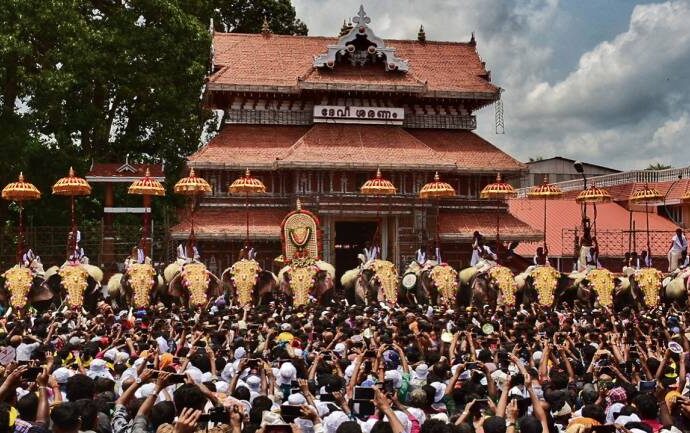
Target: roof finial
[(473, 41), (299, 204), (345, 29), (421, 35), (265, 28)]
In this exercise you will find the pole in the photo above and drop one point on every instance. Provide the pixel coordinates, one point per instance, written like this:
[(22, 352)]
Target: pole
[(649, 248), (73, 241), (544, 223), (246, 211), (498, 237), (20, 243)]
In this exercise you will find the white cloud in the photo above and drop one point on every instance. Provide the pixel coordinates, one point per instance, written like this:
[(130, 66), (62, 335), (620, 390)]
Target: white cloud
[(618, 106)]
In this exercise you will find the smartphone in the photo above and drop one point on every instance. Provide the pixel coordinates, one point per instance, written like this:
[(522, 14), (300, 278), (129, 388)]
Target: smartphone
[(177, 378), (388, 386), (471, 365), (290, 412), (327, 397), (32, 373), (362, 409), (217, 415), (647, 385), (363, 393), (370, 354), (277, 429)]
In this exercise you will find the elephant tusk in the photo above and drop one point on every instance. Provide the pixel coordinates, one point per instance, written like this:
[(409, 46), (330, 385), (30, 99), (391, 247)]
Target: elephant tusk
[(84, 312), (9, 311)]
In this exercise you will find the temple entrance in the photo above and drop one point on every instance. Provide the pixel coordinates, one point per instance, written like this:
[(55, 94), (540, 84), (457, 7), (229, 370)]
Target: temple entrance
[(351, 237)]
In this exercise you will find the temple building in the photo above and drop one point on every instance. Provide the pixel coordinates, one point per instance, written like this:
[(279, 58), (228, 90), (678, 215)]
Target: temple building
[(315, 117)]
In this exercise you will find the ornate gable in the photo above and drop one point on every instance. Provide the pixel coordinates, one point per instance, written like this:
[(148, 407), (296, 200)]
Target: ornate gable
[(360, 46)]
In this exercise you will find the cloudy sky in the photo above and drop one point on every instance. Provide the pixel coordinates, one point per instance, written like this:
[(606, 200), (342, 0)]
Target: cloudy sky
[(605, 81)]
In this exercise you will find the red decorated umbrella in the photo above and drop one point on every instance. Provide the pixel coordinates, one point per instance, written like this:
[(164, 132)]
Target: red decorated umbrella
[(545, 191), (72, 186), (498, 190), (646, 195), (247, 185), (19, 192), (192, 186), (147, 186)]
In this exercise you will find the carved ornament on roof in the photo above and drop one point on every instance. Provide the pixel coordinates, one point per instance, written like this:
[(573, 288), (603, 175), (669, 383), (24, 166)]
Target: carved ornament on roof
[(360, 45)]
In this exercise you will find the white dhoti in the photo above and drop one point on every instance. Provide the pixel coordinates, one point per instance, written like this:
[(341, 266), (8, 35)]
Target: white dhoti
[(673, 260), (582, 258)]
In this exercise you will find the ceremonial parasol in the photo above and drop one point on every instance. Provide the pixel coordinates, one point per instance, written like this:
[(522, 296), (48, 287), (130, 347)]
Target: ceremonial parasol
[(146, 186), (72, 186), (545, 191), (192, 186), (247, 185), (436, 189), (378, 186), (19, 192), (646, 195), (498, 190), (686, 196), (593, 195)]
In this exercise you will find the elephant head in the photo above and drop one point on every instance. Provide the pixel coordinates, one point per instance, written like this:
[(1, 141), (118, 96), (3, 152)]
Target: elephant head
[(477, 288), (384, 279), (249, 282), (136, 285), (648, 280), (601, 281), (193, 281), (77, 279), (18, 281), (445, 280), (545, 281), (307, 277), (503, 278)]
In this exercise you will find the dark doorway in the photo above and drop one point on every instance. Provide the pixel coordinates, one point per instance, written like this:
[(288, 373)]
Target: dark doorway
[(351, 237)]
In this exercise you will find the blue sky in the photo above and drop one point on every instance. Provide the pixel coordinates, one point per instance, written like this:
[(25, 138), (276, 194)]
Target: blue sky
[(606, 81)]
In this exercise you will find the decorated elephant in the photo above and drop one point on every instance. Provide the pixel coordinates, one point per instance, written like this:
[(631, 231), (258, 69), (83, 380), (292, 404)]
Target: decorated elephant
[(305, 278), (646, 283), (539, 284), (477, 286), (601, 287), (373, 281), (190, 281), (424, 280), (676, 286), (77, 282), (24, 284), (137, 285), (249, 284)]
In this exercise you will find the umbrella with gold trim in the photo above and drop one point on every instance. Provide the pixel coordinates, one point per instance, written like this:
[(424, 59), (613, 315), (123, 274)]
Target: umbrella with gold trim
[(498, 190), (545, 191), (147, 186), (19, 192), (72, 186), (378, 186), (192, 186), (247, 185), (437, 189), (646, 195)]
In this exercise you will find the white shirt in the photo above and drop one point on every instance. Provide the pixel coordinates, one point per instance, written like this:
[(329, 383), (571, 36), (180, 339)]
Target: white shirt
[(679, 244), (24, 350)]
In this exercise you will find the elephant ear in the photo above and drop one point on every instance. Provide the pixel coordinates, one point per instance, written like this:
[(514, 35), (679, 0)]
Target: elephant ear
[(51, 272), (171, 271), (349, 278), (175, 289), (94, 272), (40, 293), (215, 286), (114, 284)]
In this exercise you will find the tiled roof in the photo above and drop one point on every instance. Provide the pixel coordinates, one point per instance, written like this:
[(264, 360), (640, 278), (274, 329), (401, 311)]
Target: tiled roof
[(231, 225), (287, 61), (107, 169), (350, 146), (247, 146), (461, 226), (565, 214), (467, 150), (361, 146)]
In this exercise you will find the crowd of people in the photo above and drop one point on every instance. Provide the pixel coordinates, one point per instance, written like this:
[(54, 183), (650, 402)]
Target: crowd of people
[(345, 369)]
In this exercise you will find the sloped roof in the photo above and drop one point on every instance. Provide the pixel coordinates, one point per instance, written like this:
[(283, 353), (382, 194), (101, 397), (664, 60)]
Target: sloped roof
[(286, 63), (323, 145), (565, 215), (213, 224), (461, 227), (119, 172)]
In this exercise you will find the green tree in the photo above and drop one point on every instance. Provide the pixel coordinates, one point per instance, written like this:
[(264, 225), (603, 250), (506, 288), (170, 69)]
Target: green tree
[(247, 16), (658, 166)]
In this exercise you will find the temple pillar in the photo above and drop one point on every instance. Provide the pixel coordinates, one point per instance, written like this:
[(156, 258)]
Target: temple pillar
[(108, 256)]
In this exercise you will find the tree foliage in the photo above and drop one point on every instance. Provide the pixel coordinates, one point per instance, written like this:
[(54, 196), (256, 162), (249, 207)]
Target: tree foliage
[(658, 166), (96, 80)]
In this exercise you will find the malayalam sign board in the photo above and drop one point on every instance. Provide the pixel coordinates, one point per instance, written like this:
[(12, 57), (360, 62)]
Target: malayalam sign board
[(352, 114)]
